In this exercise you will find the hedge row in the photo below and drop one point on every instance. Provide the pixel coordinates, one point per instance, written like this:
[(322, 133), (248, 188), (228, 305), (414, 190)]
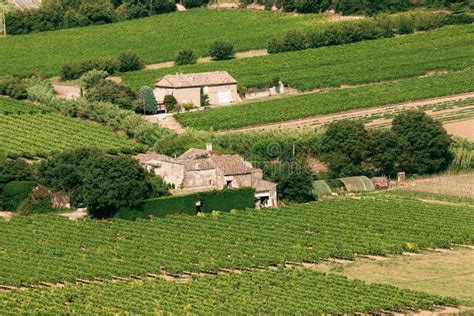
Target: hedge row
[(126, 61), (224, 200), (356, 31)]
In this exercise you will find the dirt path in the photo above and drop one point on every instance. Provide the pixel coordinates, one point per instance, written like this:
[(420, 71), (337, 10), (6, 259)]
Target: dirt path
[(6, 215), (320, 120), (166, 120), (204, 60), (79, 213)]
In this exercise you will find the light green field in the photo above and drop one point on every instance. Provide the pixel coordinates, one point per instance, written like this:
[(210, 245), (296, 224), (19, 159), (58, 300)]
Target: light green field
[(30, 131), (156, 39), (281, 292), (449, 48)]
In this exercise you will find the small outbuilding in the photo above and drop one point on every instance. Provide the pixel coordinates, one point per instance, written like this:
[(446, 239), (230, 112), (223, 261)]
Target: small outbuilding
[(219, 86)]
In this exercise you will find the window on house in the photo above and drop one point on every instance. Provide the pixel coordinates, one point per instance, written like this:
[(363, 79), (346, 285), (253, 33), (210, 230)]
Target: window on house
[(229, 183)]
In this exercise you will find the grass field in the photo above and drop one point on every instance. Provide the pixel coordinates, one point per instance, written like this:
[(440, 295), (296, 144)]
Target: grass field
[(281, 292), (447, 273), (51, 248), (156, 39), (302, 106), (449, 48), (30, 132)]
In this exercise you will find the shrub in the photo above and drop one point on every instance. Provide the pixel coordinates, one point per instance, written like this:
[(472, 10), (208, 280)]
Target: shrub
[(147, 100), (221, 50), (14, 87), (404, 24), (170, 103), (188, 106), (92, 78), (98, 13), (109, 91), (15, 192), (454, 19), (38, 201), (130, 61), (275, 45), (194, 3), (186, 57), (293, 41)]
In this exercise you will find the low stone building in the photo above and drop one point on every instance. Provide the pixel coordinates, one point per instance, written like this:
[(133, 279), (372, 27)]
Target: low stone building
[(200, 170), (219, 86)]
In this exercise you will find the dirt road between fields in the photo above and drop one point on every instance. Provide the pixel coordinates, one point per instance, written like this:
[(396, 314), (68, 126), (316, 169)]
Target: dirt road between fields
[(204, 60), (26, 4), (324, 119)]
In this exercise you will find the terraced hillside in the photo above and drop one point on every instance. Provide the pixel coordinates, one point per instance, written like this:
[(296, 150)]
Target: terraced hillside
[(276, 292), (157, 38), (52, 249), (312, 104), (445, 49), (30, 131)]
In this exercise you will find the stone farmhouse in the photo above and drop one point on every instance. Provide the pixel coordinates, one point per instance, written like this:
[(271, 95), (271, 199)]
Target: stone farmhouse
[(200, 170), (219, 86)]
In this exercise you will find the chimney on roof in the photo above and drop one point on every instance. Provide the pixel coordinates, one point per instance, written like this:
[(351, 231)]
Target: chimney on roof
[(209, 147)]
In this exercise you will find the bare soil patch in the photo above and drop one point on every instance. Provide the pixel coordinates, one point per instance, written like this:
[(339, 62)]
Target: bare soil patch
[(6, 215), (464, 129), (79, 213), (461, 185), (447, 272)]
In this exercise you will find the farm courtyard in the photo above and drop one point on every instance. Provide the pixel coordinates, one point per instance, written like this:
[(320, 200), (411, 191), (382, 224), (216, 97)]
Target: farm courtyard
[(220, 158)]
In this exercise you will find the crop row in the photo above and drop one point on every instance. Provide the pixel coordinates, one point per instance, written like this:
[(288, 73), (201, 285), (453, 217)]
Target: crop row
[(32, 135), (250, 293), (11, 106), (51, 248), (449, 48), (156, 39), (313, 104)]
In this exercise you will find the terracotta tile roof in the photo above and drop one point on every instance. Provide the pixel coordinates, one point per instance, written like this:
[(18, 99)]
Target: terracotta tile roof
[(149, 159), (263, 185), (231, 165), (192, 153), (197, 164), (196, 79)]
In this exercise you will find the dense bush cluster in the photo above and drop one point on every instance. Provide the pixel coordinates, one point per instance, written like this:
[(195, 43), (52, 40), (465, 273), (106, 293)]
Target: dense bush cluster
[(416, 144), (356, 31), (67, 14), (126, 61), (101, 182), (102, 112), (370, 7), (221, 50), (223, 200), (16, 86)]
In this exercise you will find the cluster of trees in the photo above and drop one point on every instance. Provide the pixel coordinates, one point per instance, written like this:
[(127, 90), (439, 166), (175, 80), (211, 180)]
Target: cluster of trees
[(61, 14), (370, 7), (415, 144), (355, 31), (218, 50), (126, 61), (103, 183), (105, 113)]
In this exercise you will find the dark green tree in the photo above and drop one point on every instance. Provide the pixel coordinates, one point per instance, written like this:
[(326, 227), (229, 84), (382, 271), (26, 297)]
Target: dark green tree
[(110, 183), (186, 57), (221, 50), (170, 103), (423, 143), (384, 151), (62, 172), (130, 61), (109, 91), (147, 100), (294, 179), (345, 148)]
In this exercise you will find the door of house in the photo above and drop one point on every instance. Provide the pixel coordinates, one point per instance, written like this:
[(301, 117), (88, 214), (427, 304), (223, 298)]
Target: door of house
[(225, 97)]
